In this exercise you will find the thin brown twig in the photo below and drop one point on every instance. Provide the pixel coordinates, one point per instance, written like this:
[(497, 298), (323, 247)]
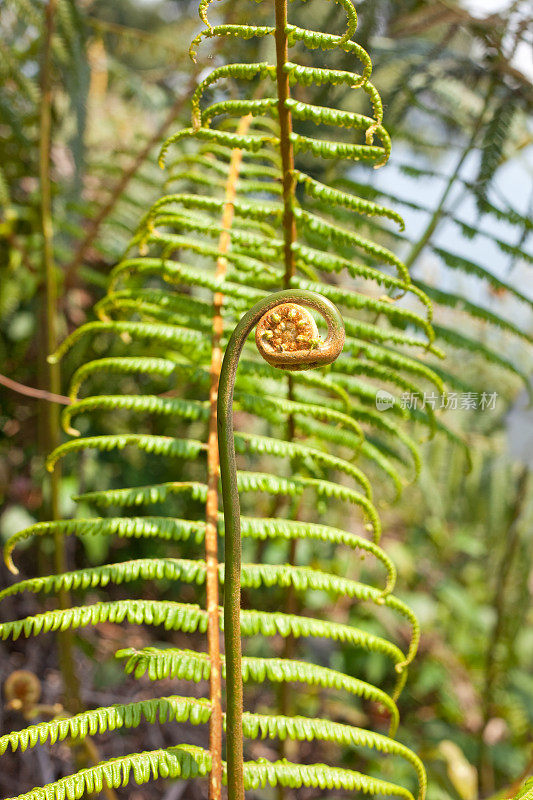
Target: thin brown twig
[(30, 391)]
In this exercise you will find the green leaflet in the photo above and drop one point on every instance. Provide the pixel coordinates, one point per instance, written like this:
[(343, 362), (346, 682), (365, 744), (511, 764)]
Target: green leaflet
[(342, 236), (186, 409), (159, 445), (257, 403), (277, 447), (172, 616), (125, 365), (282, 773), (101, 720), (140, 495), (365, 449), (327, 41), (164, 333), (167, 528), (338, 150), (263, 528), (189, 665), (183, 761), (456, 339), (332, 196), (456, 301), (253, 575), (303, 728), (238, 31), (455, 261)]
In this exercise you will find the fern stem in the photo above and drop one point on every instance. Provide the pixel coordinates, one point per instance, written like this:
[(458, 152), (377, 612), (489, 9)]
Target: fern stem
[(51, 439), (286, 148), (300, 359), (213, 473)]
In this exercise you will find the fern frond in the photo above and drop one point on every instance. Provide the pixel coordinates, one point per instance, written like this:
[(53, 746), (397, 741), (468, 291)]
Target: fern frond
[(176, 407), (163, 333), (305, 729), (172, 616), (189, 665), (160, 445), (166, 528), (284, 773), (110, 718), (289, 529), (183, 761)]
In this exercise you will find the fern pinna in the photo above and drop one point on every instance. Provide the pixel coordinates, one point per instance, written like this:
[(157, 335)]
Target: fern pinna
[(241, 221)]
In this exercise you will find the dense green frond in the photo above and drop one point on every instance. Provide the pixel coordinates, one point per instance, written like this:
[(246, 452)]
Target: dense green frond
[(164, 406), (172, 616), (183, 761), (123, 365), (263, 773), (160, 445), (183, 257), (166, 528), (289, 529), (306, 729), (166, 334), (188, 665), (110, 718), (260, 445)]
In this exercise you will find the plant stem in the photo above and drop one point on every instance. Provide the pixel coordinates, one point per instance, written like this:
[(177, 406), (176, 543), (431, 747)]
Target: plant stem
[(66, 660), (285, 126), (29, 391), (324, 354), (213, 474)]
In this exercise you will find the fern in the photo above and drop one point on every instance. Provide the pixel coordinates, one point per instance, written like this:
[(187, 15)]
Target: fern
[(201, 256)]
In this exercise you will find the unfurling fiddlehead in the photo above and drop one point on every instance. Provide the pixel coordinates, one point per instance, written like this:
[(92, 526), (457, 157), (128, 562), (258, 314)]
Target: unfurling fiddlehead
[(216, 244), (287, 338)]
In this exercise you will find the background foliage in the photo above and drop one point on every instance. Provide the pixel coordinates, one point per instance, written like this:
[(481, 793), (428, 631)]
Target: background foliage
[(458, 108)]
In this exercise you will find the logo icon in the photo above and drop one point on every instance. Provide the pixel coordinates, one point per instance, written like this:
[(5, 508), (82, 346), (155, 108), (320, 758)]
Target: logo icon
[(384, 400)]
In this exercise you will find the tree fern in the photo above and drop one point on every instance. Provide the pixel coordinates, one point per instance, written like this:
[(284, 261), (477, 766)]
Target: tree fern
[(221, 239)]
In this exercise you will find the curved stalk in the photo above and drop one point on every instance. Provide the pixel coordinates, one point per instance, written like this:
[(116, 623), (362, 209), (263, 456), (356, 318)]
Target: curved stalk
[(311, 354)]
